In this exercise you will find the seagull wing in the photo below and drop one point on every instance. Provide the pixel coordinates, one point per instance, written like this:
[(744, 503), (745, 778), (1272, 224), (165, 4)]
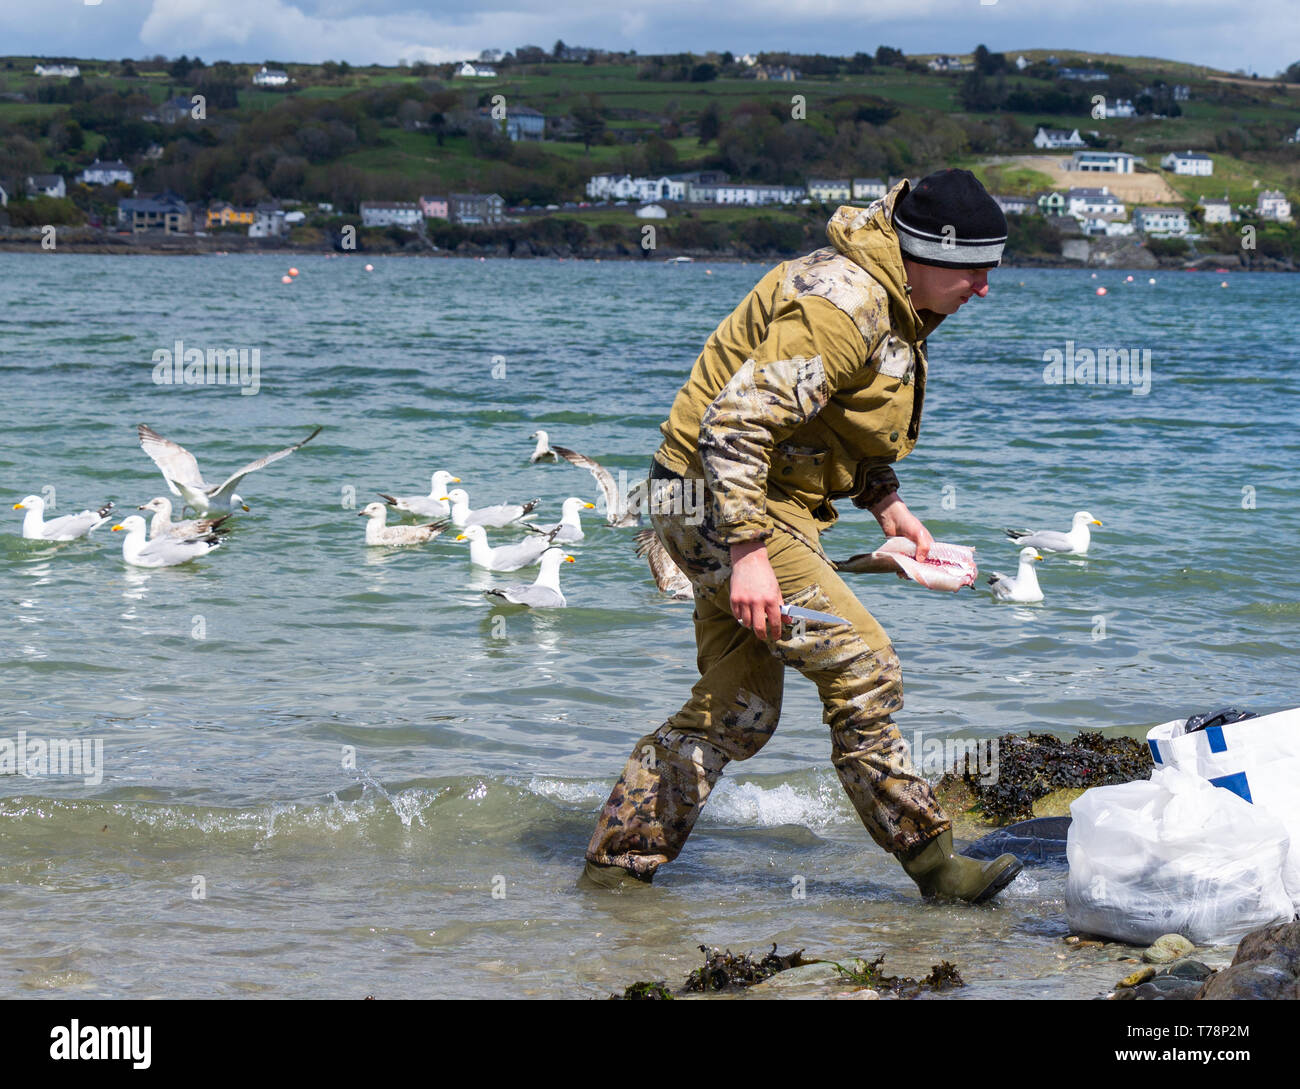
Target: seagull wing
[(604, 479), (176, 463), (228, 485), (1048, 539), (667, 575)]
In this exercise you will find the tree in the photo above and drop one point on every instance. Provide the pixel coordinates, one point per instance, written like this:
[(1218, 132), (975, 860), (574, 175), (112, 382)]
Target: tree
[(710, 123), (558, 51), (888, 55), (703, 73), (590, 122)]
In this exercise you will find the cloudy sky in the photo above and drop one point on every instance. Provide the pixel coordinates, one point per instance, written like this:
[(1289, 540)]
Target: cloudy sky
[(1262, 36)]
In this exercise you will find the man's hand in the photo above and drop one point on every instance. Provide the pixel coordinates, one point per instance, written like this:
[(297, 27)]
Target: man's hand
[(897, 521), (755, 594)]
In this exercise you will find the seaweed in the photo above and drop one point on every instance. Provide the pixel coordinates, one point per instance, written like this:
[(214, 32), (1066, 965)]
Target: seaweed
[(645, 992), (723, 971), (1033, 766), (943, 977)]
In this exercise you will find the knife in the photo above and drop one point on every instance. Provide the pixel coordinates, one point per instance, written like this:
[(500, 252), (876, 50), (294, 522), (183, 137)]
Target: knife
[(795, 612)]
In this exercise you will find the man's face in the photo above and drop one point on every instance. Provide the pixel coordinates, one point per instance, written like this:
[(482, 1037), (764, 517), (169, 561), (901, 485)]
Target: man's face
[(944, 290)]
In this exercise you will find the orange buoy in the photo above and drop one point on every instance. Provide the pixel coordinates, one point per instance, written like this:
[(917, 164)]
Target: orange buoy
[(370, 268), (293, 272), (1101, 291), (286, 279), (1224, 284), (1128, 279)]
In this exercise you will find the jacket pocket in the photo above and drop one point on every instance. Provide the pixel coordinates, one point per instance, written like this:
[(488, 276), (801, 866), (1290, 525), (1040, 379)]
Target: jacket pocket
[(799, 472)]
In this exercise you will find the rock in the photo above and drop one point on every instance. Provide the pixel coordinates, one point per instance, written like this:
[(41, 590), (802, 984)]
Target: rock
[(864, 995), (1124, 994), (1144, 973), (1167, 948), (1266, 966), (820, 972), (1168, 987), (1187, 969)]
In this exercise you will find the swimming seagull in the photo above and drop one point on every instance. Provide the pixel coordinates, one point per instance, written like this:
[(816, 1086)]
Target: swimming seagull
[(426, 506), (618, 512), (139, 551), (569, 528), (496, 517), (162, 525), (509, 557), (668, 576), (542, 594), (378, 533), (68, 527), (1074, 543), (181, 471), (1024, 587), (543, 451)]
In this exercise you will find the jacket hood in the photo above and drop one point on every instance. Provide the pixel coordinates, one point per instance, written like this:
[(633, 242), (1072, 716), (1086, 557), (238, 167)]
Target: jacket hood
[(866, 237)]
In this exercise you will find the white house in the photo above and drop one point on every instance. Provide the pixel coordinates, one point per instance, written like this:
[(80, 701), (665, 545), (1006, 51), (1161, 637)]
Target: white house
[(1103, 162), (4, 196), (651, 211), (828, 190), (1272, 204), (1188, 162), (1160, 220), (1021, 63), (1058, 138), (271, 77), (383, 213), (1084, 202), (753, 194), (46, 185), (1119, 107), (67, 71), (268, 221), (749, 60), (1014, 206), (98, 173), (868, 188), (477, 71), (1217, 210), (626, 187)]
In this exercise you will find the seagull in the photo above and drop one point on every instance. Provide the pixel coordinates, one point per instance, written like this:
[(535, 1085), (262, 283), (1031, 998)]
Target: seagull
[(542, 594), (668, 576), (1074, 543), (377, 533), (162, 524), (68, 527), (510, 557), (426, 506), (543, 451), (500, 515), (181, 471), (1024, 587), (618, 512), (569, 528), (138, 551)]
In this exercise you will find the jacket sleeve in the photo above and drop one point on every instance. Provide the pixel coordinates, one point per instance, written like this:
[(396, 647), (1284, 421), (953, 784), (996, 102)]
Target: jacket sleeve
[(810, 350)]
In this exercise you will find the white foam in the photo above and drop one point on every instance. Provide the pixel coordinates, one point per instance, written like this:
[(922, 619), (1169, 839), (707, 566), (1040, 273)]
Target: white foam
[(767, 807)]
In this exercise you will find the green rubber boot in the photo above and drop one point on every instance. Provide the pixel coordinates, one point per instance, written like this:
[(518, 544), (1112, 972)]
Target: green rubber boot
[(595, 875), (942, 874)]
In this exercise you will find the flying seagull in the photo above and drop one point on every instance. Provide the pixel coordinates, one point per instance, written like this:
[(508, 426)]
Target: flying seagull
[(668, 576), (181, 471), (618, 512), (543, 452)]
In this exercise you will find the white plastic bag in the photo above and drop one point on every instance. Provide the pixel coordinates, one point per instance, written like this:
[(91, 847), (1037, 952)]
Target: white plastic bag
[(1256, 758), (1174, 855)]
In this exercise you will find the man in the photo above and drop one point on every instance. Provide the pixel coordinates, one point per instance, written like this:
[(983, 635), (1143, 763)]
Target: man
[(806, 393)]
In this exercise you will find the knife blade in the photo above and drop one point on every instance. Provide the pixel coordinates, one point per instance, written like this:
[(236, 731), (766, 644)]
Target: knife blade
[(796, 612)]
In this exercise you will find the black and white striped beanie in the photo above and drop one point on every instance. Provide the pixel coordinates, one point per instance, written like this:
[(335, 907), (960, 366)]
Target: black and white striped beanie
[(949, 220)]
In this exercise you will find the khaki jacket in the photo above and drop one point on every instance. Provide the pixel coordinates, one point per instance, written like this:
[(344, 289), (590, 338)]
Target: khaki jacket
[(811, 388)]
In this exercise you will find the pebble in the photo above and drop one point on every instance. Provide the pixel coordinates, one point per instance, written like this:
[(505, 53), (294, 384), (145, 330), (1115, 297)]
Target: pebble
[(1167, 948), (1187, 969), (1134, 979)]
